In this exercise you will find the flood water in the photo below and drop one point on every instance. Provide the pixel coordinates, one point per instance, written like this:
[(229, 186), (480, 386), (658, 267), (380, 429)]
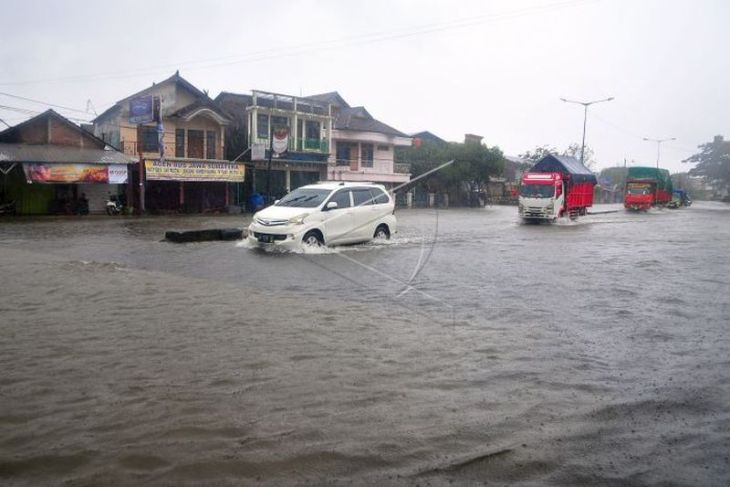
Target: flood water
[(470, 349)]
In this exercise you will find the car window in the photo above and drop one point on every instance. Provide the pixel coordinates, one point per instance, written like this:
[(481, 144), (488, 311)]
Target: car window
[(342, 198), (304, 197), (362, 197), (379, 196)]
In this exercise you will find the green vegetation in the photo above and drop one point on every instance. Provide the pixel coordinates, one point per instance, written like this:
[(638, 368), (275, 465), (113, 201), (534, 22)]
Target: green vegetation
[(713, 163), (467, 177), (573, 150)]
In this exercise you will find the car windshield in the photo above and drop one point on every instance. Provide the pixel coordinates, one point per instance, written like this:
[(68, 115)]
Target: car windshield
[(537, 190), (304, 198)]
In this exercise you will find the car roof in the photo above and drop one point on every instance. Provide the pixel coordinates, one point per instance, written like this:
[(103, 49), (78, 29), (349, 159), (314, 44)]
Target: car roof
[(332, 185)]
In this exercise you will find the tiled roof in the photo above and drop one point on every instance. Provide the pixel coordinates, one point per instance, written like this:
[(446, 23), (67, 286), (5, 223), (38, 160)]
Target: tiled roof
[(357, 118)]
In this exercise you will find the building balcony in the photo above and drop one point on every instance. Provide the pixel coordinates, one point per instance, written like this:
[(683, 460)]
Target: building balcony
[(300, 144)]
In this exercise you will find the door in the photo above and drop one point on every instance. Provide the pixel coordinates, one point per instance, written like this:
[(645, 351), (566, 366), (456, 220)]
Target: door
[(365, 213), (195, 144), (338, 224)]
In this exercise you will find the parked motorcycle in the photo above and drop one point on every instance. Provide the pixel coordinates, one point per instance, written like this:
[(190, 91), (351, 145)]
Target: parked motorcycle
[(114, 206)]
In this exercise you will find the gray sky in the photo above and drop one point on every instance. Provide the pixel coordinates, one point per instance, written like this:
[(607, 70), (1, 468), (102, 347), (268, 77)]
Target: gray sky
[(496, 68)]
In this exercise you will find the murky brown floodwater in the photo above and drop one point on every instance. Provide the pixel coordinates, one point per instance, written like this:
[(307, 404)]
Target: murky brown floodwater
[(595, 353)]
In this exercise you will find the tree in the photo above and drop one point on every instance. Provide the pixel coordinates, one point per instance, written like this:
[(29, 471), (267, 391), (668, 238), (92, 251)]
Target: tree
[(573, 150), (531, 158), (473, 165), (713, 162)]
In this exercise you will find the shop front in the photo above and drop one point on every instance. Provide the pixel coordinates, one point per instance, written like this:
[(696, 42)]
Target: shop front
[(192, 186), (39, 180)]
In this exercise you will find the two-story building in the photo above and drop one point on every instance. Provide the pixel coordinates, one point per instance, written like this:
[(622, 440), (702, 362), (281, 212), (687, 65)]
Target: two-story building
[(363, 147), (309, 127), (192, 174)]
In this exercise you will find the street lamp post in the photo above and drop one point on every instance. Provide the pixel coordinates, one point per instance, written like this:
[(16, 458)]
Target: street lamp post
[(585, 104), (658, 149)]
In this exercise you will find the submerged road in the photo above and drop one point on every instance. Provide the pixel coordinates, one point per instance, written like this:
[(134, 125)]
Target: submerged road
[(469, 349)]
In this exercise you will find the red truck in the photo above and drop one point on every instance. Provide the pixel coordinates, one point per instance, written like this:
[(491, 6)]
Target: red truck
[(556, 186), (647, 187)]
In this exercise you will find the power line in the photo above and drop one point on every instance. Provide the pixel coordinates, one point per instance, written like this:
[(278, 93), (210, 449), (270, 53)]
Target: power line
[(314, 46), (43, 103), (35, 112)]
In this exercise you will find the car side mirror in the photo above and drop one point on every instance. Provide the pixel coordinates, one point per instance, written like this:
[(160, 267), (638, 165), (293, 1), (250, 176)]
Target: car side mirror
[(331, 205)]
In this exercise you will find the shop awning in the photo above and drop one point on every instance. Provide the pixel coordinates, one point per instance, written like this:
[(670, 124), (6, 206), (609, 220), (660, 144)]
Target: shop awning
[(61, 154)]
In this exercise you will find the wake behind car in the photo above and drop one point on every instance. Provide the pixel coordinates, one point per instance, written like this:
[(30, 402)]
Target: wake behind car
[(328, 213)]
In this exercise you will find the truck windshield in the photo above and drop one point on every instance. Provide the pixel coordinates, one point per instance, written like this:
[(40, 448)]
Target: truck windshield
[(304, 197), (537, 190), (637, 190)]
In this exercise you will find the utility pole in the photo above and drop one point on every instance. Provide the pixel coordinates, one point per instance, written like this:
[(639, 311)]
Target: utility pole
[(658, 149), (268, 169), (585, 104)]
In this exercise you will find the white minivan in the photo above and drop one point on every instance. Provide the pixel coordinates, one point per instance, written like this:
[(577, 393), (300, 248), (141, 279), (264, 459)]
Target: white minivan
[(327, 213)]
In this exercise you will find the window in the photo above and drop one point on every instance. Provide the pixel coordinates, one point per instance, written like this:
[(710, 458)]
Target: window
[(278, 121), (366, 155), (343, 154), (362, 197), (195, 144), (179, 142), (304, 198), (379, 196), (210, 144), (149, 139), (383, 148), (312, 134), (342, 198), (262, 126)]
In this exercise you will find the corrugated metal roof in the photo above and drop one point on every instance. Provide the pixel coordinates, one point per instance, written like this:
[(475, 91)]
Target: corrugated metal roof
[(61, 154)]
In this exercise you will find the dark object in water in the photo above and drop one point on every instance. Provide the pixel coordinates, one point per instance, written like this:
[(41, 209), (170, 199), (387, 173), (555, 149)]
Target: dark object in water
[(205, 235)]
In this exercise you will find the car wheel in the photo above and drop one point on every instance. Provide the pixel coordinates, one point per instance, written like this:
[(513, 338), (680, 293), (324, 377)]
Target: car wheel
[(382, 232), (313, 238)]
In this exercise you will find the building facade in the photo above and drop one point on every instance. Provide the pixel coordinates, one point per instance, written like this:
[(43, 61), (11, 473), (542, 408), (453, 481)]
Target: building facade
[(363, 147), (185, 169), (309, 127), (50, 165)]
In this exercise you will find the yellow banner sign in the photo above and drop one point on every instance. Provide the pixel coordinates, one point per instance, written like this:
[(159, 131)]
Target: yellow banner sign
[(194, 171)]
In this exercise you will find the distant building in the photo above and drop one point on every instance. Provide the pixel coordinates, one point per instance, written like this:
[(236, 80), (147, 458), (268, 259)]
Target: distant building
[(425, 135), (193, 175), (472, 139), (50, 165)]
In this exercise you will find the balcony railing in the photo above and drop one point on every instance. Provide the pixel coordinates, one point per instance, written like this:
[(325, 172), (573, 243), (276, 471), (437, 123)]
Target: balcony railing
[(302, 144)]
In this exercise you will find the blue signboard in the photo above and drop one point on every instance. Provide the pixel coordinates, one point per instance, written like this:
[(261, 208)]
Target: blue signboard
[(141, 110)]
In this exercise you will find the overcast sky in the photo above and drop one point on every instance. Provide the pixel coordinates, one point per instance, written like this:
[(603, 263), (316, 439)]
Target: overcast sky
[(497, 68)]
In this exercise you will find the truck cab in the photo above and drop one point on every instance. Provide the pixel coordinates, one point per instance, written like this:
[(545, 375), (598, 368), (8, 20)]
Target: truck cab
[(639, 195), (542, 196)]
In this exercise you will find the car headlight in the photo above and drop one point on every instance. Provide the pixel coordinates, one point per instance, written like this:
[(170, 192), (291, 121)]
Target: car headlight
[(299, 219)]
